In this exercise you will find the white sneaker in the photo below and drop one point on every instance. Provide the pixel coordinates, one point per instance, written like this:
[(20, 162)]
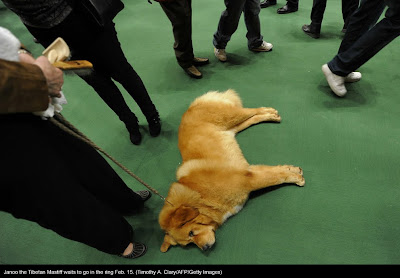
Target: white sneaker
[(336, 82), (264, 47), (354, 76), (220, 54)]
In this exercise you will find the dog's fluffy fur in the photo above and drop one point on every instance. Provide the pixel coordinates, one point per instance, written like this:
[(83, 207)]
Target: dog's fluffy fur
[(214, 180)]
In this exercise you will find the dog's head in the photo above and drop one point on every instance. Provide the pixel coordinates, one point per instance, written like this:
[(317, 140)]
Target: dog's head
[(185, 225)]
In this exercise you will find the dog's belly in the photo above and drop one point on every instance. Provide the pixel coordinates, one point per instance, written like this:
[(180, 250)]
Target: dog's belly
[(213, 146)]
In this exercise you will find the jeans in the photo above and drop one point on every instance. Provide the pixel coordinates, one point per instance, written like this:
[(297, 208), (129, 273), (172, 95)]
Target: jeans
[(362, 42), (229, 22)]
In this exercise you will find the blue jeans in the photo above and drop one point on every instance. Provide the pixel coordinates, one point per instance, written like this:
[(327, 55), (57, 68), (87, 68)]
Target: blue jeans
[(229, 22), (362, 42)]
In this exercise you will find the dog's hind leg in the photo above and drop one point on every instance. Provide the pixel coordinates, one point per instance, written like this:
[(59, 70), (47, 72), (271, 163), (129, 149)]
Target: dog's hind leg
[(251, 116), (260, 176)]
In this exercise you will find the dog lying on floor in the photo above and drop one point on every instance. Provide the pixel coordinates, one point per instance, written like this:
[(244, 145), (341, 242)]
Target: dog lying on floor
[(215, 180)]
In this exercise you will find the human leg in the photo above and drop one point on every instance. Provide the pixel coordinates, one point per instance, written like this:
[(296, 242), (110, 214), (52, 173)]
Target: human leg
[(370, 42), (180, 14), (43, 187), (228, 22), (290, 7), (317, 14), (361, 21), (252, 20), (348, 8)]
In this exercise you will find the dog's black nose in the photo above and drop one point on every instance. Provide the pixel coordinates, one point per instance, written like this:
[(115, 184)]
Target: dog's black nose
[(206, 247)]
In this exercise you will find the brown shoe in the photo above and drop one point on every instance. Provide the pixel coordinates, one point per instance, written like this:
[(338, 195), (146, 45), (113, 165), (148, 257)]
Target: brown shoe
[(197, 61), (192, 71)]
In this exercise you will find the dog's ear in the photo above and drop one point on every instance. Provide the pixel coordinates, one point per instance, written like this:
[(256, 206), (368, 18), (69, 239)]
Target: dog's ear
[(168, 241), (183, 215)]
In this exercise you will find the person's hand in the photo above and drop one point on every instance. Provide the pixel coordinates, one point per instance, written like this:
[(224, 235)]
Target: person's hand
[(26, 58), (53, 75)]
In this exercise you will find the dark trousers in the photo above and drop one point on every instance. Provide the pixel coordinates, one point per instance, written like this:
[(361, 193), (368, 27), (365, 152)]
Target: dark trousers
[(361, 42), (293, 3), (101, 47), (50, 177), (179, 13), (229, 21), (318, 10)]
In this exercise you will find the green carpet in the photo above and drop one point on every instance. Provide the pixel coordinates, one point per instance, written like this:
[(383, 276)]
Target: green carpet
[(349, 148)]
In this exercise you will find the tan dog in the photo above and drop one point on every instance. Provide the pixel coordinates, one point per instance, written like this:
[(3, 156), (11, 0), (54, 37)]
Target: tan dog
[(214, 180)]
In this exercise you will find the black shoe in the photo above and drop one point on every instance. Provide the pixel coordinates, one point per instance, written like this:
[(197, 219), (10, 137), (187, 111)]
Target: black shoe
[(154, 124), (309, 31), (134, 134), (139, 249), (267, 3), (287, 9)]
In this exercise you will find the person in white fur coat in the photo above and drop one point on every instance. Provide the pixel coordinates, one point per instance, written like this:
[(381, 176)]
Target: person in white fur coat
[(50, 177)]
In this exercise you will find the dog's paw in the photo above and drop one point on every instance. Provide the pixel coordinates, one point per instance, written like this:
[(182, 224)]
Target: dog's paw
[(270, 114), (297, 176), (302, 181), (294, 169)]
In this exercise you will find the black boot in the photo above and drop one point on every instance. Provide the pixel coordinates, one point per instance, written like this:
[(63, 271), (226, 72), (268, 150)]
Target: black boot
[(154, 124), (134, 133), (132, 125)]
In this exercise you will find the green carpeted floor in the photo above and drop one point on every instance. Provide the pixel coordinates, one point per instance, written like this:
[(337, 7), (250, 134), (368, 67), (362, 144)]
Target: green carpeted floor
[(349, 148)]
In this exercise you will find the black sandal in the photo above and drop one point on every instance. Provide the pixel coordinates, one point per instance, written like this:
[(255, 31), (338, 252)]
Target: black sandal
[(139, 249)]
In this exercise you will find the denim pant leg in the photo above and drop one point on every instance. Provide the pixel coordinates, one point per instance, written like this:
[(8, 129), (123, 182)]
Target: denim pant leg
[(370, 43), (228, 22), (251, 18)]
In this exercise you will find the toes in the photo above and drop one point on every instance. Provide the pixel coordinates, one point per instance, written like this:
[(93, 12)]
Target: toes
[(302, 181)]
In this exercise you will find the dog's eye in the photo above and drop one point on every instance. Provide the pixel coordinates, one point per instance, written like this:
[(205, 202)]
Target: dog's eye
[(191, 233)]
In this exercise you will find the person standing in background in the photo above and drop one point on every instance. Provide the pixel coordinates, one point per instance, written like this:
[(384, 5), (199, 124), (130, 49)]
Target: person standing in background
[(179, 13), (317, 14), (50, 19), (290, 7), (228, 24)]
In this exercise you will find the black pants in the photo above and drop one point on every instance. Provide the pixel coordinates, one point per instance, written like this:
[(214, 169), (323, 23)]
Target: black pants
[(362, 42), (50, 177), (229, 21), (101, 47), (318, 10), (179, 13), (293, 3)]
